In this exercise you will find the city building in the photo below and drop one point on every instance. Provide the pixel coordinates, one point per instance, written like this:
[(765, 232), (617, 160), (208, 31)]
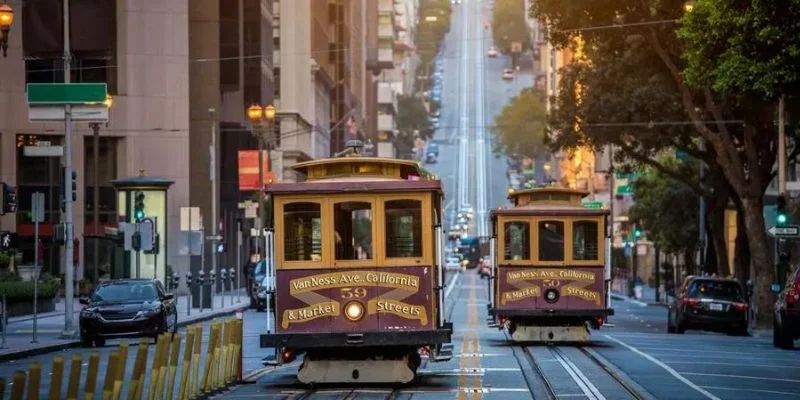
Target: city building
[(166, 65)]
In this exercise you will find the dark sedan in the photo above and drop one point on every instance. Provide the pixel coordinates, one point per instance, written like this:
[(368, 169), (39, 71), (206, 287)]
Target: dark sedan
[(127, 308), (713, 304)]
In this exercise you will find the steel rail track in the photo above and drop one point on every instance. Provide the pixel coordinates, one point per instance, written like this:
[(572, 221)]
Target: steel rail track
[(550, 392), (614, 375)]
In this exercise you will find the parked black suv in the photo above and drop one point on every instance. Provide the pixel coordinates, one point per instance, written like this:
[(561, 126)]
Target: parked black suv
[(707, 303)]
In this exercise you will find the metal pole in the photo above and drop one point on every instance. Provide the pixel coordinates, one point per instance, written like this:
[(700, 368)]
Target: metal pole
[(782, 147), (702, 215), (202, 268), (96, 197), (214, 222), (69, 294), (36, 217), (138, 253), (260, 188), (658, 275), (3, 322), (238, 259), (612, 197)]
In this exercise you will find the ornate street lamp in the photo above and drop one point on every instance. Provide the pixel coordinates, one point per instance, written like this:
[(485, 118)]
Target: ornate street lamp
[(6, 20), (269, 112), (254, 113), (257, 114), (95, 126)]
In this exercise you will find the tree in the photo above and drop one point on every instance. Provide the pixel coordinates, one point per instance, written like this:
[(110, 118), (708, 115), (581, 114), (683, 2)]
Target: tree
[(736, 128), (667, 210), (509, 25), (412, 116), (430, 35), (520, 126)]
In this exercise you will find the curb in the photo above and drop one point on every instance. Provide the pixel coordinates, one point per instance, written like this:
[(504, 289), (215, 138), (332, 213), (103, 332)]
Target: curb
[(76, 343)]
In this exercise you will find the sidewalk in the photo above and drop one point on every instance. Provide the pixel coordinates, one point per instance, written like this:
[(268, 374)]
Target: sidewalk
[(19, 331), (648, 296)]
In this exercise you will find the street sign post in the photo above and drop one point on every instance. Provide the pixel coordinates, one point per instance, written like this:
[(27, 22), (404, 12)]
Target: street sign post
[(593, 204), (37, 208), (785, 231)]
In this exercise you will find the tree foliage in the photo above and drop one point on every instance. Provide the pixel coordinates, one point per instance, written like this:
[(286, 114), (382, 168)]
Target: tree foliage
[(736, 126), (509, 25), (520, 127), (430, 35), (666, 209), (411, 116), (743, 46)]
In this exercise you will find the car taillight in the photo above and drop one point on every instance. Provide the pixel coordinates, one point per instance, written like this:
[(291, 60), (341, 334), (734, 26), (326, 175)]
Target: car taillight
[(792, 295), (740, 306), (691, 302)]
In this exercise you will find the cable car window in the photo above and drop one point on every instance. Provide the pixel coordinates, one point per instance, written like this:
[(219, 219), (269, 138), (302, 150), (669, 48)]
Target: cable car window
[(302, 232), (517, 241), (352, 224), (551, 241), (403, 228), (584, 241)]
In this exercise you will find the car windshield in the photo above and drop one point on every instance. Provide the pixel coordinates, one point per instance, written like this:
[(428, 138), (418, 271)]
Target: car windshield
[(124, 292), (718, 290)]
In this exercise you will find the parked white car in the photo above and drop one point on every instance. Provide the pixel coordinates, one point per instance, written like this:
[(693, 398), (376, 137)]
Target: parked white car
[(452, 264)]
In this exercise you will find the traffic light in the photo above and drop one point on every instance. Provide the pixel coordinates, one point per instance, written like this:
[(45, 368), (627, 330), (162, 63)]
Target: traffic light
[(74, 186), (73, 191), (8, 199), (138, 207), (637, 233), (781, 216)]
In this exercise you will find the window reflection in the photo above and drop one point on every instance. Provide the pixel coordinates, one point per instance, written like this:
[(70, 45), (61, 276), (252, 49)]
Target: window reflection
[(403, 228), (584, 241), (517, 241), (302, 229), (353, 230)]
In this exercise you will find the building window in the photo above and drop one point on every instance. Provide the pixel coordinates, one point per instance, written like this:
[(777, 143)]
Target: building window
[(107, 171), (551, 241), (229, 44)]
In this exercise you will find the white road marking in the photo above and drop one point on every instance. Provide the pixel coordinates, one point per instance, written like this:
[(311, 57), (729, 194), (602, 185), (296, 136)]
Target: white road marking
[(776, 366), (451, 285), (757, 378), (752, 390), (665, 367)]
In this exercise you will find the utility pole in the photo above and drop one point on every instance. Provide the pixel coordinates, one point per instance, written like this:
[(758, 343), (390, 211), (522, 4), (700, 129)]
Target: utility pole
[(702, 215), (213, 177), (96, 196), (260, 188), (69, 294)]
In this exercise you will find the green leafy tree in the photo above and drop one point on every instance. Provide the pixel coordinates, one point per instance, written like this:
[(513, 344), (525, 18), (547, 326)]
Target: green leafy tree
[(430, 36), (412, 116), (667, 209), (520, 127), (509, 25), (736, 127)]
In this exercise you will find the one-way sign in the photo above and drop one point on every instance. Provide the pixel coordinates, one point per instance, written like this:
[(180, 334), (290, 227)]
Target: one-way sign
[(785, 231)]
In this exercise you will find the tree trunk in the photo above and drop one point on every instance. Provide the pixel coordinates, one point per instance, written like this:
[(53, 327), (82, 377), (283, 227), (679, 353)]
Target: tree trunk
[(760, 258), (717, 228)]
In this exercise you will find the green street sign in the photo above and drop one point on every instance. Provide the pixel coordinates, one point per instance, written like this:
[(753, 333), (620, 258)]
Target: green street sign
[(625, 189), (593, 204), (66, 93)]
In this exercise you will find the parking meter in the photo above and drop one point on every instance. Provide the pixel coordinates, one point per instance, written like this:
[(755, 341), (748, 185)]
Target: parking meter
[(201, 279), (213, 279), (189, 280), (175, 280), (223, 276)]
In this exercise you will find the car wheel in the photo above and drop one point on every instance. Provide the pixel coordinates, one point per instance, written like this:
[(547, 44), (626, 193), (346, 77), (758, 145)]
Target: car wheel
[(99, 342), (86, 341)]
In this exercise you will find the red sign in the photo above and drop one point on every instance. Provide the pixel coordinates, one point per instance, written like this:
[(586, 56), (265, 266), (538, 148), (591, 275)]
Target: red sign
[(248, 170)]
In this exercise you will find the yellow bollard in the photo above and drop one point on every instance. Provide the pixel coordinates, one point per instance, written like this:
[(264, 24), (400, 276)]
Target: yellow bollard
[(173, 365), (226, 355), (212, 344), (151, 394), (74, 378), (18, 385), (34, 381), (161, 370), (187, 365), (91, 376), (220, 355), (198, 340), (239, 344), (111, 375), (137, 375), (123, 361), (56, 378)]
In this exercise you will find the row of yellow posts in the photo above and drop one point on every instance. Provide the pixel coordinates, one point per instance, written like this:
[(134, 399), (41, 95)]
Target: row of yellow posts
[(223, 368)]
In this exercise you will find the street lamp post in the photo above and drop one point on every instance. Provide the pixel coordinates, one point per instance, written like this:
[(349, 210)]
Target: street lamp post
[(257, 116), (6, 20), (96, 183)]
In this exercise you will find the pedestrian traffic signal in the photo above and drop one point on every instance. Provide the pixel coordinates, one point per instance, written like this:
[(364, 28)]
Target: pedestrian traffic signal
[(8, 199), (781, 216), (138, 208), (637, 233), (74, 181)]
